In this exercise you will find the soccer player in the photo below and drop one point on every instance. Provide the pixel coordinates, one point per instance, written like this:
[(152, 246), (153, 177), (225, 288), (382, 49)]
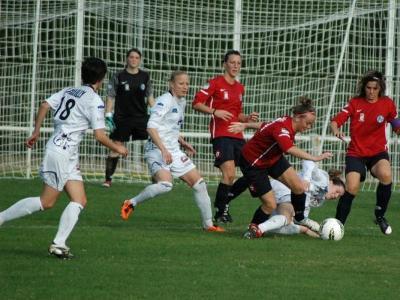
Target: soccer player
[(222, 99), (262, 156), (164, 156), (129, 93), (369, 112), (75, 109), (321, 186)]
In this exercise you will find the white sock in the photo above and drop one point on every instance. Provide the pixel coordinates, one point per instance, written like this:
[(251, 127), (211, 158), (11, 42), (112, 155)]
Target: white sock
[(151, 191), (273, 223), (203, 202), (21, 208), (68, 219)]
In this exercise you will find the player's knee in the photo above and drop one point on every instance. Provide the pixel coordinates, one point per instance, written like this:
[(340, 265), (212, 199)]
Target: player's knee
[(165, 186), (298, 189), (200, 185)]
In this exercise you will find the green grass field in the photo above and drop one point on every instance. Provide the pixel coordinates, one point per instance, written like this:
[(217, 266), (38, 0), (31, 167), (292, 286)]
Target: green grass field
[(161, 252)]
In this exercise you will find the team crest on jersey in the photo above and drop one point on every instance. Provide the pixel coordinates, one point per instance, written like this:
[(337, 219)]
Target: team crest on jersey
[(175, 110), (142, 86), (362, 117), (126, 87), (380, 119)]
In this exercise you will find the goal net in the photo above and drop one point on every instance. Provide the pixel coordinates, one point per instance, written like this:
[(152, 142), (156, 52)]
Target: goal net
[(290, 48)]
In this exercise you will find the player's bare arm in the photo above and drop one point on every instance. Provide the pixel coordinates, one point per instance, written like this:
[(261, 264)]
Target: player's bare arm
[(219, 113), (155, 137), (336, 132), (305, 155), (101, 136), (41, 115), (253, 117), (237, 127), (150, 101), (189, 149)]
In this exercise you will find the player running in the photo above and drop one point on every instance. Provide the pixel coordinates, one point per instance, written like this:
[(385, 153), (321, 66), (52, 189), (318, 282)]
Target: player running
[(369, 112), (164, 156), (75, 110)]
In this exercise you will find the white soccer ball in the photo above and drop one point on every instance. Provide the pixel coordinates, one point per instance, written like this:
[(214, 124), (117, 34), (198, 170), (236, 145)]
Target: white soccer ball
[(331, 229)]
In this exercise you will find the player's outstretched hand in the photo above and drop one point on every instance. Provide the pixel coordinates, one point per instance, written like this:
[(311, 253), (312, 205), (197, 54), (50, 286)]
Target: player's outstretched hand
[(324, 155), (236, 127), (253, 117), (340, 135), (223, 114), (122, 150), (30, 141)]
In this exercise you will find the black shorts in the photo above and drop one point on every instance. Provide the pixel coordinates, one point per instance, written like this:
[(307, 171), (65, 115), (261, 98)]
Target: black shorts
[(258, 179), (227, 148), (124, 130), (362, 164)]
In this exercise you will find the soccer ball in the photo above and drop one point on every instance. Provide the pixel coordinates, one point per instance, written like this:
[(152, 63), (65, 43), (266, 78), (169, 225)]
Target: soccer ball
[(331, 229)]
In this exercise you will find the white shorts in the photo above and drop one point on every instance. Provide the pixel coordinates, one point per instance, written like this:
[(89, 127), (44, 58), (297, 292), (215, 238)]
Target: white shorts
[(181, 163), (57, 169)]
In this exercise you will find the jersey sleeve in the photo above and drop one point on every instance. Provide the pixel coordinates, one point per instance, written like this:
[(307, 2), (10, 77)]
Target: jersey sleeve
[(205, 93), (158, 111), (344, 114), (55, 99), (96, 114), (112, 86), (282, 136), (307, 169), (392, 111)]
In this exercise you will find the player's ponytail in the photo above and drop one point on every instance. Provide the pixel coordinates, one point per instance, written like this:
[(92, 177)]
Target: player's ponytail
[(304, 106)]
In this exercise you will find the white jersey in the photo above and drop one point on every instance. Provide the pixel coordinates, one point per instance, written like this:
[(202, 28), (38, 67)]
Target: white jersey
[(318, 179), (75, 110), (167, 116)]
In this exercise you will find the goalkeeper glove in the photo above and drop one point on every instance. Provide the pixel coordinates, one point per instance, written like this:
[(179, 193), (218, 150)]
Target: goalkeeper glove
[(110, 122)]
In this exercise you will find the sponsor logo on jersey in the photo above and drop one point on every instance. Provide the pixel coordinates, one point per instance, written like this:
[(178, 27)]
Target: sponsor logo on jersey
[(142, 86), (100, 106), (160, 104), (226, 95)]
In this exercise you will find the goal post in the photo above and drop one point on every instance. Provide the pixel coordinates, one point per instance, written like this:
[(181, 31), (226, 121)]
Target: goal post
[(290, 48)]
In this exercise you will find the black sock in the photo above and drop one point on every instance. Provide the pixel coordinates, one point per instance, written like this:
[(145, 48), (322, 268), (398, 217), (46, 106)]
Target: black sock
[(221, 198), (344, 206), (237, 188), (259, 216), (111, 165), (383, 193), (299, 204)]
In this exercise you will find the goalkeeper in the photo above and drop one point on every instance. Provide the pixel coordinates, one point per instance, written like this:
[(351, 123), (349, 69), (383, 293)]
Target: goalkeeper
[(128, 93)]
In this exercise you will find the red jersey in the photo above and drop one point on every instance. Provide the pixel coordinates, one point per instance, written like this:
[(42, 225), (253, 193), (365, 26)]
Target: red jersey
[(220, 94), (269, 143), (367, 125)]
